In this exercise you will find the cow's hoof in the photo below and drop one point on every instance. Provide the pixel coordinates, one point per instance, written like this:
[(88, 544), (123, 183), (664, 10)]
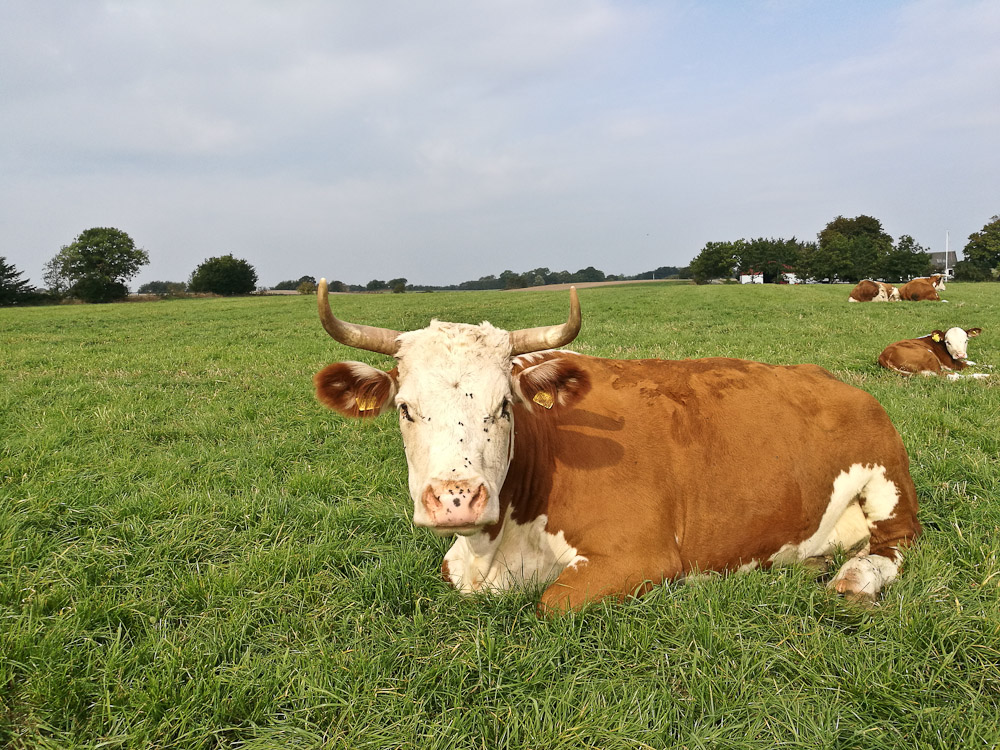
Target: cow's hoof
[(854, 583)]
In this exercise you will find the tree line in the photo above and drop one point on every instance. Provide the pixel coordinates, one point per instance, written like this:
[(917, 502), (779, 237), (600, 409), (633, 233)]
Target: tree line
[(847, 249), (97, 264)]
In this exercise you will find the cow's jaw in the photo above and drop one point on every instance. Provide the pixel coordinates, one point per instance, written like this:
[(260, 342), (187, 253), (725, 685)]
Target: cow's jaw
[(957, 342), (454, 398)]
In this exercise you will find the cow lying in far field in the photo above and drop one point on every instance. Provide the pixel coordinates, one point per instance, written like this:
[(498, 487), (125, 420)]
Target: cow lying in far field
[(936, 353), (603, 477), (874, 291), (923, 289)]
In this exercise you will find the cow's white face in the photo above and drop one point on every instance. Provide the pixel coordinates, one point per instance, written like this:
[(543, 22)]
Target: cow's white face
[(454, 399), (453, 386), (957, 342)]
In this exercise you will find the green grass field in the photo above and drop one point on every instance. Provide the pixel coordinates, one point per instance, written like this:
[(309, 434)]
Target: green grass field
[(195, 554)]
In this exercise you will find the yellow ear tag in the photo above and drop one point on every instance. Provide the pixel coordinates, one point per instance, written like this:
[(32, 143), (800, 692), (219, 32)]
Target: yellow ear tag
[(544, 398), (935, 337), (366, 403)]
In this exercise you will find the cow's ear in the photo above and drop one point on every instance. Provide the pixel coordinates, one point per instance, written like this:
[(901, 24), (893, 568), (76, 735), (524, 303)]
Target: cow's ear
[(973, 332), (937, 336), (553, 384), (355, 389)]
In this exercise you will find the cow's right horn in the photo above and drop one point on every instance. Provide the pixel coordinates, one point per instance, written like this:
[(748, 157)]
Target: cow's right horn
[(548, 337), (381, 340)]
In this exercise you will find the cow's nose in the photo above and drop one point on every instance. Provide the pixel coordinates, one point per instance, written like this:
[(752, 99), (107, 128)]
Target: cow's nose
[(455, 503)]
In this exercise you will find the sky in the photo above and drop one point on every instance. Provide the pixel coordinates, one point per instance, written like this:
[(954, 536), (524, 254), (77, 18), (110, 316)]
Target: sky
[(446, 140)]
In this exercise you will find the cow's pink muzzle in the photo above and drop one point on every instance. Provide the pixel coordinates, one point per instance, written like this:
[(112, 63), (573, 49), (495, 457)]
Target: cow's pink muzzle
[(455, 504)]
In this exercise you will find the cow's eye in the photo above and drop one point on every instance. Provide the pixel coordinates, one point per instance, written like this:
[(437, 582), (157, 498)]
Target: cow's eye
[(505, 410), (404, 412)]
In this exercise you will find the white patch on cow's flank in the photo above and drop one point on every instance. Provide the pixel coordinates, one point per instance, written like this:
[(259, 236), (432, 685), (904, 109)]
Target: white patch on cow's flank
[(840, 525), (521, 554)]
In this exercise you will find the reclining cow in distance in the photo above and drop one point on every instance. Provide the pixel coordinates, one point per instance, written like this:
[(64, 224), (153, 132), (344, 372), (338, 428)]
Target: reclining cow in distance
[(923, 289), (603, 477), (937, 353), (874, 291)]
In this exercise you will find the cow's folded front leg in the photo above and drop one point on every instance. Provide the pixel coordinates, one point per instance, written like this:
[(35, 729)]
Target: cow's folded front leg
[(599, 576)]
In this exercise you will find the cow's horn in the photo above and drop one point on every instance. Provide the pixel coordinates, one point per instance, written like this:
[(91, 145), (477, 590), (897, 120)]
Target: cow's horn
[(548, 337), (382, 340)]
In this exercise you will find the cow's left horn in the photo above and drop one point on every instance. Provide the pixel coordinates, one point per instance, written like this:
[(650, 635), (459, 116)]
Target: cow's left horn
[(381, 340), (548, 337)]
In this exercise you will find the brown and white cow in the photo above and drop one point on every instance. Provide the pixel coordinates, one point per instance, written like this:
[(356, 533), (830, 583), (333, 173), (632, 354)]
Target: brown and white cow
[(923, 289), (874, 291), (603, 477), (937, 353)]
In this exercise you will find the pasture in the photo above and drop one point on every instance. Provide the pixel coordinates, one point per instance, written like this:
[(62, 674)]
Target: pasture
[(194, 553)]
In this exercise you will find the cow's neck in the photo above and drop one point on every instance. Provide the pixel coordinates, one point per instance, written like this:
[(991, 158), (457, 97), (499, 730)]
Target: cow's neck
[(529, 479), (940, 350)]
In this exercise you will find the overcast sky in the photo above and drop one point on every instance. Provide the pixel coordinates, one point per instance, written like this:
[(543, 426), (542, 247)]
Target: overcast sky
[(444, 141)]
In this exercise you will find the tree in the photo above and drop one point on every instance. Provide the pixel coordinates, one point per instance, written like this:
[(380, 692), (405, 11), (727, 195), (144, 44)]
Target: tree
[(224, 275), (859, 246), (983, 247), (906, 260), (291, 284), (376, 285), (337, 286), (13, 289), (966, 271), (96, 265), (716, 260), (483, 282), (163, 288), (588, 274), (769, 257), (306, 287), (513, 280)]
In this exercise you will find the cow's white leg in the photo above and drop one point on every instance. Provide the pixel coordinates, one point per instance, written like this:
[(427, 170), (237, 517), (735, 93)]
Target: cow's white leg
[(888, 511), (862, 577)]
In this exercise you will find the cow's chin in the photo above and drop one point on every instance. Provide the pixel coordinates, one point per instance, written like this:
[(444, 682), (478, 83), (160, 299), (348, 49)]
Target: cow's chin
[(456, 530), (444, 529)]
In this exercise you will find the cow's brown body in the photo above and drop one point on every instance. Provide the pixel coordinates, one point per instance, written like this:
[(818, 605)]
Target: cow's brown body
[(669, 467), (873, 291), (923, 289)]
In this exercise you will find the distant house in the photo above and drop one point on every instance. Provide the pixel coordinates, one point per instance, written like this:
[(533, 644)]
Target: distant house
[(751, 277), (944, 260)]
